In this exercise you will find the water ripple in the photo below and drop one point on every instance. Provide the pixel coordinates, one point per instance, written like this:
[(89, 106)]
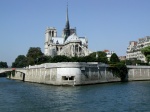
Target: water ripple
[(17, 96)]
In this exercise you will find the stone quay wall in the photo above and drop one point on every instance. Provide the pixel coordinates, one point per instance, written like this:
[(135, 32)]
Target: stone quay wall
[(18, 76), (138, 73), (68, 73), (74, 73)]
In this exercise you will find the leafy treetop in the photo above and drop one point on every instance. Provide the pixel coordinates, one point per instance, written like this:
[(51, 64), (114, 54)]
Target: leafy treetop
[(114, 58), (146, 52), (3, 65), (20, 61), (34, 52)]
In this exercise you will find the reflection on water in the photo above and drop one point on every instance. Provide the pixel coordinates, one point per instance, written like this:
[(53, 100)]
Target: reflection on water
[(17, 96)]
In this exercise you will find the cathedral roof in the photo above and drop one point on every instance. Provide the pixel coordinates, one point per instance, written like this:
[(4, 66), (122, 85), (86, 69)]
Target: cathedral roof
[(83, 40), (58, 40), (72, 37)]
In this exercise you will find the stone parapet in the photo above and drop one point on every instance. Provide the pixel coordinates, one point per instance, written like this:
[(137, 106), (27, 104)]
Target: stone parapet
[(69, 65)]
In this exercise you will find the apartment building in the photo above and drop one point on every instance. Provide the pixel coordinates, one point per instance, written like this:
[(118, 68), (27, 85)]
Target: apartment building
[(134, 49)]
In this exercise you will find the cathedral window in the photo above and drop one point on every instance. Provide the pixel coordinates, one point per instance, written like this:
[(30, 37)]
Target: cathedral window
[(52, 33), (56, 48)]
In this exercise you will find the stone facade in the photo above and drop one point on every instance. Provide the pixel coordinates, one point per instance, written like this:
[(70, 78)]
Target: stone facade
[(134, 49), (108, 54)]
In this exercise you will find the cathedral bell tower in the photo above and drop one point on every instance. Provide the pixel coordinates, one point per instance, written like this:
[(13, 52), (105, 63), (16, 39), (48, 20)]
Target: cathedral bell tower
[(50, 32)]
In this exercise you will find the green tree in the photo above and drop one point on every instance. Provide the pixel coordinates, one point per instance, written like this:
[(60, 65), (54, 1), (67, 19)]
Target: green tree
[(119, 70), (114, 58), (20, 61), (87, 59), (60, 58), (102, 57), (117, 67), (34, 52), (43, 59), (134, 62), (31, 61), (3, 65), (75, 59), (148, 58), (146, 52), (128, 62), (93, 55), (99, 56), (33, 55)]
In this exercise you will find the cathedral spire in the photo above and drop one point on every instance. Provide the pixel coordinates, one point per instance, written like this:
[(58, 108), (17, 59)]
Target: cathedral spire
[(67, 27), (67, 19)]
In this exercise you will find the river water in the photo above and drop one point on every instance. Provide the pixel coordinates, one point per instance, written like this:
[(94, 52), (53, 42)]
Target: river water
[(18, 96)]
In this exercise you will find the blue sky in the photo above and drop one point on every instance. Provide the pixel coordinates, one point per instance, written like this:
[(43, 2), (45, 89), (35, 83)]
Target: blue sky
[(108, 24)]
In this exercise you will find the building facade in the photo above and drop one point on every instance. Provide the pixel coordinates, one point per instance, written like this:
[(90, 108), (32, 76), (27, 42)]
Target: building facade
[(69, 44), (109, 53), (134, 49)]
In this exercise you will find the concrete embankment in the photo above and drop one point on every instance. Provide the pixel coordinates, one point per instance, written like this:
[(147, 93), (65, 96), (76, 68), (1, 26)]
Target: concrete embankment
[(68, 73), (75, 73), (138, 73)]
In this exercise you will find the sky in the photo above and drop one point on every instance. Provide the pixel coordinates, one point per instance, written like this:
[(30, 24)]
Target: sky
[(108, 24)]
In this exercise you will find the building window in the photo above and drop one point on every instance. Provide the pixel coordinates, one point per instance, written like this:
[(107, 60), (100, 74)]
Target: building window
[(64, 78), (71, 78), (67, 77), (52, 33)]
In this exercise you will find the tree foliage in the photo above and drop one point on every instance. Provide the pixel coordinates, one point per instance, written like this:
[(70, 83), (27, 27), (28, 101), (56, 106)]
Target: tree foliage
[(87, 59), (43, 59), (99, 56), (60, 58), (134, 62), (20, 61), (3, 65), (33, 55), (114, 58), (146, 52), (34, 52), (119, 70)]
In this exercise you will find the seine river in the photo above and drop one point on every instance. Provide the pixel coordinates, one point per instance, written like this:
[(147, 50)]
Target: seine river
[(18, 96)]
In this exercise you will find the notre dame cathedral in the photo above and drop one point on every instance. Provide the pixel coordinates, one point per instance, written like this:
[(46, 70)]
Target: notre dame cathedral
[(69, 44)]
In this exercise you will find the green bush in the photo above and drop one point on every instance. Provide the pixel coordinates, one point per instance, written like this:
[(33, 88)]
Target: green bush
[(119, 70)]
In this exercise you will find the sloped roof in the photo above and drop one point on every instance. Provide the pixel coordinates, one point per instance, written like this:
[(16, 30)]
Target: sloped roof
[(83, 40), (58, 40), (72, 37)]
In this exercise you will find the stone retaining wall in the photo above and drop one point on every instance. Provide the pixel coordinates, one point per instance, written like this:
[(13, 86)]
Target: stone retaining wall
[(78, 73), (69, 73), (138, 73)]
